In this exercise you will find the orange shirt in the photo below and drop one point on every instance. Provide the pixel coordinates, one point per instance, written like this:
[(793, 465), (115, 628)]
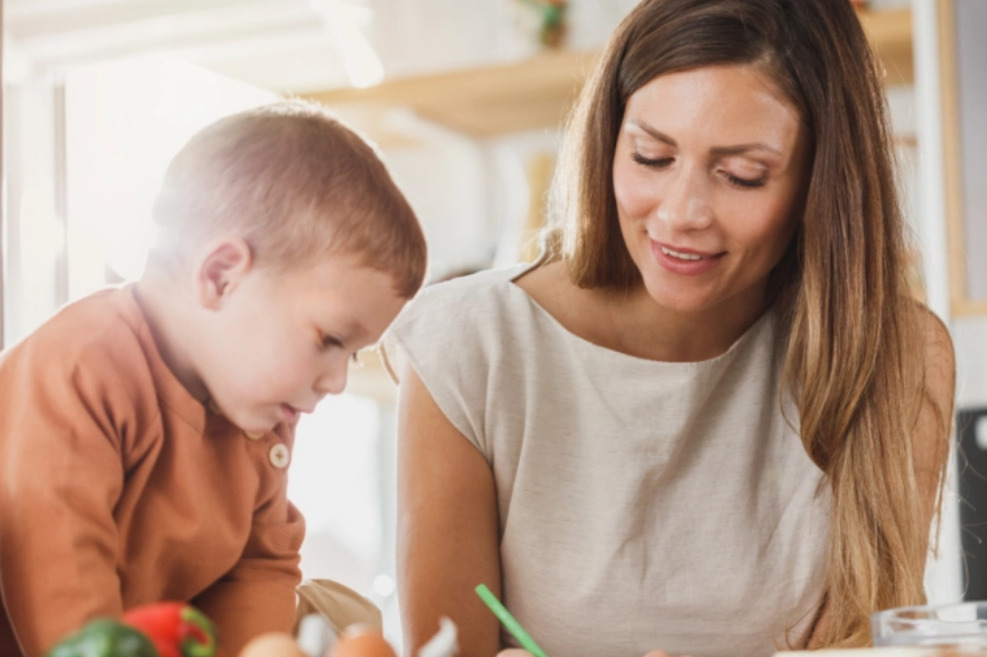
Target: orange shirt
[(118, 488)]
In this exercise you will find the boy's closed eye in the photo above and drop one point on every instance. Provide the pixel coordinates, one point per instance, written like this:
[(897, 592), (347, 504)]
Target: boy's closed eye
[(329, 341)]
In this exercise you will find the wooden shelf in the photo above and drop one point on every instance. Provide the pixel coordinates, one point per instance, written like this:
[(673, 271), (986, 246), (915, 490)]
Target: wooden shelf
[(484, 101), (537, 93), (890, 34)]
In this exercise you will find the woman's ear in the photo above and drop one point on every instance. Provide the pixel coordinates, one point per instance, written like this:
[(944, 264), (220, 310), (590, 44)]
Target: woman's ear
[(224, 263)]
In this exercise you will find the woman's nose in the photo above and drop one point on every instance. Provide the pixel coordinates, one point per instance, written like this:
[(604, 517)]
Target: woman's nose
[(685, 202)]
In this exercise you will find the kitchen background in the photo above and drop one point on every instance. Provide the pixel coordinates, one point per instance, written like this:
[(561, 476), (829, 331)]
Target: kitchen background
[(465, 100)]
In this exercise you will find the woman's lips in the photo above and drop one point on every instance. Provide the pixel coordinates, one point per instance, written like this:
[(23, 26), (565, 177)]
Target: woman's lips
[(680, 260)]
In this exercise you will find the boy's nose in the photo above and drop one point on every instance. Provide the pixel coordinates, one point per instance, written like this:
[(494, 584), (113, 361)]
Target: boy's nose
[(332, 381)]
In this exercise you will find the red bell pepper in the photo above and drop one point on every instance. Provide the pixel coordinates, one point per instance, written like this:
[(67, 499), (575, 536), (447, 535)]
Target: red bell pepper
[(177, 629)]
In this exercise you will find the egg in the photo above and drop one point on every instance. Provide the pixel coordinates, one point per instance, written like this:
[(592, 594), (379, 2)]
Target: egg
[(272, 644), (361, 641)]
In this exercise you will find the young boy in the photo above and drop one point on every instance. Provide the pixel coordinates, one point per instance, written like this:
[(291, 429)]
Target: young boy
[(145, 431)]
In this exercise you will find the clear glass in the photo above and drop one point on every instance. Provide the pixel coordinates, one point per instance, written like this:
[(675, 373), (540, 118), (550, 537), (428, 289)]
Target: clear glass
[(957, 625)]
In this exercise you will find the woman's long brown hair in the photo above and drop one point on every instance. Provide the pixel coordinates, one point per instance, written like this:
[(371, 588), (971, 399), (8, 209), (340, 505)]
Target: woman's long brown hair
[(854, 360)]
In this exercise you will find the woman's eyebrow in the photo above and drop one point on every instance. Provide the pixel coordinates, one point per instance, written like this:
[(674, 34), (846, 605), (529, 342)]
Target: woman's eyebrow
[(743, 148), (718, 150), (657, 134)]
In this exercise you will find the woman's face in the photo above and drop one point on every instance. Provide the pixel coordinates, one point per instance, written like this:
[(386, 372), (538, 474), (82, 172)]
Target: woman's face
[(708, 171)]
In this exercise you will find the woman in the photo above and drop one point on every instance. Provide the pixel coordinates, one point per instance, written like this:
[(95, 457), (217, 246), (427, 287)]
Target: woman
[(711, 419)]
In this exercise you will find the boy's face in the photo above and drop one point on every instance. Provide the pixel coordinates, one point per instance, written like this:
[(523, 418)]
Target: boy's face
[(283, 339)]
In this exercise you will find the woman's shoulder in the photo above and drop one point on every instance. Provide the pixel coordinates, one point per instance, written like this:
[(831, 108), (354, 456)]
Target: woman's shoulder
[(933, 336), (461, 315), (546, 282), (934, 331), (462, 299), (455, 326), (934, 346), (489, 282), (940, 369), (932, 428), (551, 289)]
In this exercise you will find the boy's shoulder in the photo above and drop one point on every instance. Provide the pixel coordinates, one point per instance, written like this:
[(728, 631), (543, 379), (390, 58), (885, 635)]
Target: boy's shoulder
[(101, 328), (87, 363)]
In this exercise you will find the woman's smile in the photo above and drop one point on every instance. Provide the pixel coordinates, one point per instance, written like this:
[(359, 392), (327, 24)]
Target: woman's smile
[(681, 260)]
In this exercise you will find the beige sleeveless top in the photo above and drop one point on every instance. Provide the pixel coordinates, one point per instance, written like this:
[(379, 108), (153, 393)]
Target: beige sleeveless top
[(643, 505)]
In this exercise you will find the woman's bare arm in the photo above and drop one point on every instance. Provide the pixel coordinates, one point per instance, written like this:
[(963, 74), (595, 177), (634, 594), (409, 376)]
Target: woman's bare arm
[(447, 540)]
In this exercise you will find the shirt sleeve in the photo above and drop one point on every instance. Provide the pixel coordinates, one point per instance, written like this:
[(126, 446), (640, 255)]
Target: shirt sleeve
[(61, 475), (449, 336), (258, 594)]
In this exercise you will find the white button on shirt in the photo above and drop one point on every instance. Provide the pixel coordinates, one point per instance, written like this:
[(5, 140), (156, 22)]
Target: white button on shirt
[(279, 455)]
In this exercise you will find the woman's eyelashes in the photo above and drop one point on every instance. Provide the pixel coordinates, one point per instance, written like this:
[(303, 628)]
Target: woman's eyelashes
[(654, 162), (738, 181), (749, 183)]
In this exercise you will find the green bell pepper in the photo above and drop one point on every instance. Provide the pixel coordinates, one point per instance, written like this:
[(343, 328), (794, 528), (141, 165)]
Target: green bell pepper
[(104, 637)]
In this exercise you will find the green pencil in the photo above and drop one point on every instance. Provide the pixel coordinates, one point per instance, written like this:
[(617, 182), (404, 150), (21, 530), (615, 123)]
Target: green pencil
[(514, 627)]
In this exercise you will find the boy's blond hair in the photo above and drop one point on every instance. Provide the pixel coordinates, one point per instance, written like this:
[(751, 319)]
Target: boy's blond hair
[(295, 183)]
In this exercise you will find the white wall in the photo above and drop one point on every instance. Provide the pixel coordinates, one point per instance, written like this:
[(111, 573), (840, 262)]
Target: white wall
[(970, 340)]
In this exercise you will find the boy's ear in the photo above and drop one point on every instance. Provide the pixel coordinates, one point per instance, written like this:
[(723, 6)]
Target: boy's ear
[(225, 263)]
